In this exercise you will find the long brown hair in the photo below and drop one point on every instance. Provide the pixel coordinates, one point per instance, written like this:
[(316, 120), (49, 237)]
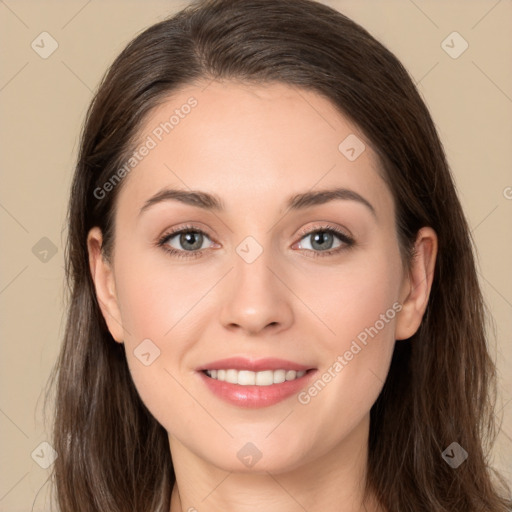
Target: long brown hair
[(112, 453)]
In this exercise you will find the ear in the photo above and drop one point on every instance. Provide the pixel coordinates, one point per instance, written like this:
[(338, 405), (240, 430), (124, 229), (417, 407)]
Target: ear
[(103, 277), (417, 284)]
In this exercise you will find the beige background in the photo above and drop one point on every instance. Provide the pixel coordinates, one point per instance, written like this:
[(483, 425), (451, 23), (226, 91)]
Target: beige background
[(43, 102)]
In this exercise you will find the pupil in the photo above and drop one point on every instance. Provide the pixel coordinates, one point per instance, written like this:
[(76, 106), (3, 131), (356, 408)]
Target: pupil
[(320, 237), (188, 238)]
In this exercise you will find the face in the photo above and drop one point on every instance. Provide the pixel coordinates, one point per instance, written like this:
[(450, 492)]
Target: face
[(275, 271)]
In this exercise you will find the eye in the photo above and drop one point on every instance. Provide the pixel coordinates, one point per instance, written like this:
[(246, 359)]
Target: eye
[(322, 241), (188, 239), (189, 242)]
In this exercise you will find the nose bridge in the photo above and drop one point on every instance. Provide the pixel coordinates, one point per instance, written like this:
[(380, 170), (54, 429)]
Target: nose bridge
[(255, 298), (252, 266)]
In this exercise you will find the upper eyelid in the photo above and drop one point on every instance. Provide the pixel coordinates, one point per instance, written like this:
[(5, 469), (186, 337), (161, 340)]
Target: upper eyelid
[(325, 227)]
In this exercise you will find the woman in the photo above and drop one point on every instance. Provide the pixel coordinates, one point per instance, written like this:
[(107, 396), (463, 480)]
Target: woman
[(258, 368)]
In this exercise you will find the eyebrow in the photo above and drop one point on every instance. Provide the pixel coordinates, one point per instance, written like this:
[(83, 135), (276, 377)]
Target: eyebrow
[(296, 202)]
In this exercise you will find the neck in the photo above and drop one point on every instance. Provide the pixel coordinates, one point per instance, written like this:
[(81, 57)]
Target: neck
[(331, 482)]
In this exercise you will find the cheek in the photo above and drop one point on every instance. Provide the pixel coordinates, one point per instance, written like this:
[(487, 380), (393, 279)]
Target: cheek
[(360, 306), (353, 296), (156, 305), (162, 304), (156, 295)]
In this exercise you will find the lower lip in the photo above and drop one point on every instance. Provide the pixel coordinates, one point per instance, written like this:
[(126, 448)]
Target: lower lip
[(253, 397)]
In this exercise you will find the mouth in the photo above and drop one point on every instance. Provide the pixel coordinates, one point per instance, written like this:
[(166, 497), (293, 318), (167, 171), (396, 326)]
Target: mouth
[(253, 383), (247, 363), (251, 378)]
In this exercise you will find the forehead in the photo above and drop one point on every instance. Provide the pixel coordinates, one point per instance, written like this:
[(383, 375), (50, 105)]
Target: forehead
[(251, 143)]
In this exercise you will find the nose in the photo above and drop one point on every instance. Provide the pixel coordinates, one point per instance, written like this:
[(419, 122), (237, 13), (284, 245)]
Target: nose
[(256, 297)]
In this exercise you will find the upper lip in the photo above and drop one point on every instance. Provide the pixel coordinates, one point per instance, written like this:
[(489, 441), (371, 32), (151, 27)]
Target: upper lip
[(255, 365)]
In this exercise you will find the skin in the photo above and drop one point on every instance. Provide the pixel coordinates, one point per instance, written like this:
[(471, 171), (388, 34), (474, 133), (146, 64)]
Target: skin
[(254, 146)]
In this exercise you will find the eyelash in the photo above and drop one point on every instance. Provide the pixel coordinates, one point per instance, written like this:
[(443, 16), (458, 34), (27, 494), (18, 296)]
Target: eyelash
[(347, 240)]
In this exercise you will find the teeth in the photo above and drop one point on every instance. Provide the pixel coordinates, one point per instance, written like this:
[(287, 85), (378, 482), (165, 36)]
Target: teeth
[(248, 378)]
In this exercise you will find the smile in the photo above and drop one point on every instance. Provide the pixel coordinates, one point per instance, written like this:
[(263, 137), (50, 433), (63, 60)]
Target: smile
[(249, 378)]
